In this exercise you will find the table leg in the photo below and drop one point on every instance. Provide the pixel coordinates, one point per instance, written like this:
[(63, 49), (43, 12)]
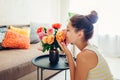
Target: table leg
[(65, 74), (37, 73), (41, 73)]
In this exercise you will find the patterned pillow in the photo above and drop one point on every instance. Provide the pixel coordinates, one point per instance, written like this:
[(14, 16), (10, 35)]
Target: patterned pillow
[(14, 38), (3, 30), (2, 37)]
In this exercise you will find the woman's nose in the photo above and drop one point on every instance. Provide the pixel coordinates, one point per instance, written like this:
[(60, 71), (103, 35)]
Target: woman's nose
[(65, 31)]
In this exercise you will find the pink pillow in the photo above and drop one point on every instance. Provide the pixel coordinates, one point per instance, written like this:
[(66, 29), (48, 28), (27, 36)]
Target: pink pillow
[(15, 40)]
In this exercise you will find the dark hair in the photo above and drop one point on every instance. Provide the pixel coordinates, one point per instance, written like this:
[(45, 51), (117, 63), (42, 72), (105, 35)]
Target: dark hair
[(84, 22)]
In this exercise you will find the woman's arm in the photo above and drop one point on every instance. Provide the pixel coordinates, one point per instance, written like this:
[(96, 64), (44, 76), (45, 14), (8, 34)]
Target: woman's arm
[(85, 61), (82, 67), (71, 65), (77, 71), (69, 58)]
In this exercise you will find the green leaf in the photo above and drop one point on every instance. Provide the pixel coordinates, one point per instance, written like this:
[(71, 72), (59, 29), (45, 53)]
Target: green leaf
[(44, 49), (45, 29), (70, 14)]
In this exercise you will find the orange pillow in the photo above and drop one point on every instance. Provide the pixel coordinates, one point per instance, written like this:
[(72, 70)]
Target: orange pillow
[(15, 40), (23, 31)]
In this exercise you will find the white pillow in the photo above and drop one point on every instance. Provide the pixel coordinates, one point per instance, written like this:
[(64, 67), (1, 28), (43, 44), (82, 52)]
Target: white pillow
[(33, 35)]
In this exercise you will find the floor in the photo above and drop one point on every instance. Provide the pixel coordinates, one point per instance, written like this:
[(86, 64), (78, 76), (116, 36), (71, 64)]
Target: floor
[(114, 64), (61, 76)]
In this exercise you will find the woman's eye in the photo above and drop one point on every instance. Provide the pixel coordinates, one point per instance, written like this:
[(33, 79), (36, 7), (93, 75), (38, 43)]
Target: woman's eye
[(67, 30)]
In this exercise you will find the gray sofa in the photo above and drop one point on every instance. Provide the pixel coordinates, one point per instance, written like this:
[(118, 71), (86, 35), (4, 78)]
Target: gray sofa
[(16, 63)]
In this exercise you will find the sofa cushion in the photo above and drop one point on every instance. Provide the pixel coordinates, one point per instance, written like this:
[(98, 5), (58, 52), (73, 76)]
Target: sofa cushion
[(34, 26), (23, 31), (2, 35), (16, 38)]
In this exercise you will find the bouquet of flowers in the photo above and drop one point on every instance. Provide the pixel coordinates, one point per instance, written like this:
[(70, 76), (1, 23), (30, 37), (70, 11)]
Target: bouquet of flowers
[(50, 36)]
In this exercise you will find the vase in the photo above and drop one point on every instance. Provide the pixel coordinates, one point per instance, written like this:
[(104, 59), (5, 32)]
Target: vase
[(53, 56)]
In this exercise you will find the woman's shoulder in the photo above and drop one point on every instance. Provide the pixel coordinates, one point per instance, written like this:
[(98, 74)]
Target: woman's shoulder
[(87, 57), (86, 54)]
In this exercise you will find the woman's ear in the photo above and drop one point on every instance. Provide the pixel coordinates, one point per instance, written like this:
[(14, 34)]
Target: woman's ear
[(81, 34)]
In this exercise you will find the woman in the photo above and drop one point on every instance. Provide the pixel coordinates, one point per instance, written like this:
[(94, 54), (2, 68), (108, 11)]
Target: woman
[(89, 65)]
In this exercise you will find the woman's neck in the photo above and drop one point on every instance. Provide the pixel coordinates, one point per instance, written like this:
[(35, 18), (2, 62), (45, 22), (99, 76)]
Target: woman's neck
[(82, 45)]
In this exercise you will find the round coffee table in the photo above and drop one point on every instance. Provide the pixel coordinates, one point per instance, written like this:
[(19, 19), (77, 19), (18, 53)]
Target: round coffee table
[(43, 63)]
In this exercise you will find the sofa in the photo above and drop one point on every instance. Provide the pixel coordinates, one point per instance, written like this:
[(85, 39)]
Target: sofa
[(16, 63)]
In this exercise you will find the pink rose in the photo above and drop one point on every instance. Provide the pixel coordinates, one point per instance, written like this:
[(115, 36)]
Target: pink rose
[(41, 35), (50, 31)]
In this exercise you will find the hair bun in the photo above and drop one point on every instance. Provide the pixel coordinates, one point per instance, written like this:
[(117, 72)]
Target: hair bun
[(92, 17)]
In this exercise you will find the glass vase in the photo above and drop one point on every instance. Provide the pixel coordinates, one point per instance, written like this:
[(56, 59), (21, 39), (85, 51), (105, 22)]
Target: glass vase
[(53, 56)]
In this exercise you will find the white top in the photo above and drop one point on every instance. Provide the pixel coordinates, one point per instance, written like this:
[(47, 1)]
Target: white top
[(101, 71)]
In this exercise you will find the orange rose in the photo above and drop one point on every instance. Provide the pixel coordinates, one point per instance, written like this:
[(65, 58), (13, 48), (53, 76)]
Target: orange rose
[(50, 39), (60, 36), (45, 39)]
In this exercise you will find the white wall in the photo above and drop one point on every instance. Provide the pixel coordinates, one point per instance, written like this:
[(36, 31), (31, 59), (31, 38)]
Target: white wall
[(26, 11), (64, 9)]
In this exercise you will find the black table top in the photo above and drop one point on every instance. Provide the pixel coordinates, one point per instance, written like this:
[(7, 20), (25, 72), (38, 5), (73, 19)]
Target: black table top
[(43, 62)]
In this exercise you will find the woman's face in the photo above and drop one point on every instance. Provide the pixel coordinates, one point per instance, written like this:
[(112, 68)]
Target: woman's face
[(72, 36)]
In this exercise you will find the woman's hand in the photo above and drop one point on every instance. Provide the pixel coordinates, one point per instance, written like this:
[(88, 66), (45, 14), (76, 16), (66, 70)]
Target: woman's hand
[(63, 43), (64, 47), (66, 41)]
